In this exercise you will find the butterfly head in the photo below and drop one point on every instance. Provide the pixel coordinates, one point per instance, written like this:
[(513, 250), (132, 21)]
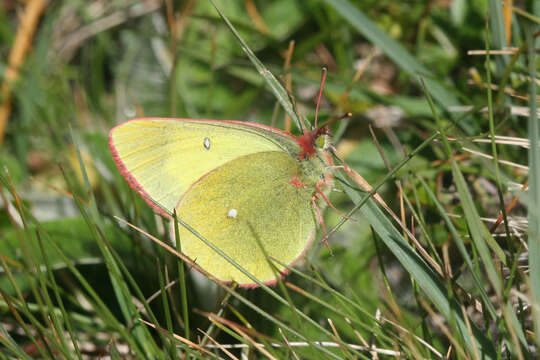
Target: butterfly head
[(309, 141)]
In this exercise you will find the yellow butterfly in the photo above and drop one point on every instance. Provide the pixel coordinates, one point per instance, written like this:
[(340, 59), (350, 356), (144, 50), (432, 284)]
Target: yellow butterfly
[(236, 183)]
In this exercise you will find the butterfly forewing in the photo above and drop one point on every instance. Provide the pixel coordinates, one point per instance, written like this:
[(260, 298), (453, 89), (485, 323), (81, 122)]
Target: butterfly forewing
[(161, 158)]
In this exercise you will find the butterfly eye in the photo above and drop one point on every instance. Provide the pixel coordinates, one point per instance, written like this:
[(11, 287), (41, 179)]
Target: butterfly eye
[(232, 213), (206, 143)]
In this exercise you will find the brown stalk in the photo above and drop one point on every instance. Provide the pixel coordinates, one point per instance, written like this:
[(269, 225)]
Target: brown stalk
[(180, 338), (509, 208), (220, 347), (23, 39), (256, 17)]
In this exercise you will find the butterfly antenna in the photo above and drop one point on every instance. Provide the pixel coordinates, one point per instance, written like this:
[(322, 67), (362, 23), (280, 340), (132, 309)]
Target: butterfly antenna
[(323, 79), (323, 129)]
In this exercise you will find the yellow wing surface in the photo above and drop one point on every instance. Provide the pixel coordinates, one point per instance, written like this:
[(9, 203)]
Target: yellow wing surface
[(235, 184)]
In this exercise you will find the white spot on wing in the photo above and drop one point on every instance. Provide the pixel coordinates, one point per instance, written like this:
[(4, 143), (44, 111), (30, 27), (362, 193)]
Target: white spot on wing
[(232, 213), (206, 143)]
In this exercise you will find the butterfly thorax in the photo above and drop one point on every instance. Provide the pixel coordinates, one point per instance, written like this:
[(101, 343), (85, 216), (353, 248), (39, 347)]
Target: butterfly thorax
[(313, 159), (314, 165)]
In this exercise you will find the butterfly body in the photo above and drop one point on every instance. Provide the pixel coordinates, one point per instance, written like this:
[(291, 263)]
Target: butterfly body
[(240, 185)]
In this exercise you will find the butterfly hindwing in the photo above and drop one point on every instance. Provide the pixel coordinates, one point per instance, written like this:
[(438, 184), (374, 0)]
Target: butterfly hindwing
[(245, 204)]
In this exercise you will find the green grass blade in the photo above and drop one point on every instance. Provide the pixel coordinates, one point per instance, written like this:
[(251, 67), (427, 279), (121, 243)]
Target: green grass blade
[(54, 317), (171, 344), (494, 151), (462, 249), (97, 303), (497, 24), (120, 287), (182, 279), (11, 345), (514, 323), (534, 191), (279, 91), (479, 233)]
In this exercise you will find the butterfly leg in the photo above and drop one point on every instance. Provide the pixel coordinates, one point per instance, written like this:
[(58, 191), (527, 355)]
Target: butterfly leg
[(321, 221), (326, 200)]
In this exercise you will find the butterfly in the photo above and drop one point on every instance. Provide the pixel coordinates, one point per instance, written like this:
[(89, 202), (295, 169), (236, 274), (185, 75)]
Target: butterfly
[(241, 185)]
